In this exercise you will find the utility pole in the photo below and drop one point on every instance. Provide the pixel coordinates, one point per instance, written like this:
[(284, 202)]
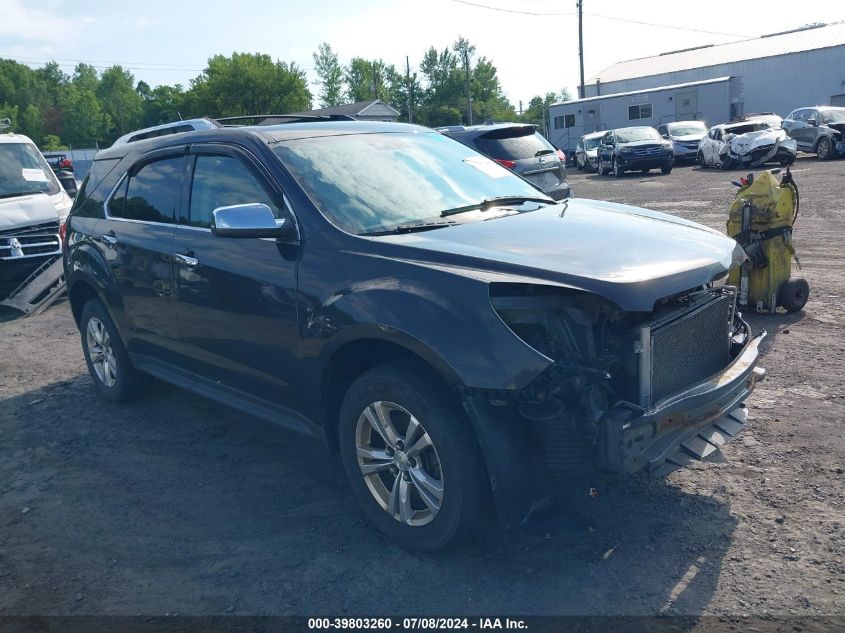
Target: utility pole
[(469, 98), (520, 107), (410, 89), (580, 4)]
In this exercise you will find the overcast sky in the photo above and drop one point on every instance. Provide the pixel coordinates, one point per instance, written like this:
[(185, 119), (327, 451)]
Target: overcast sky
[(168, 41)]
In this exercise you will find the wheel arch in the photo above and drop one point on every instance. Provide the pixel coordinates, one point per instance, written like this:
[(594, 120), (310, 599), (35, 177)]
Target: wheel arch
[(79, 294), (355, 357)]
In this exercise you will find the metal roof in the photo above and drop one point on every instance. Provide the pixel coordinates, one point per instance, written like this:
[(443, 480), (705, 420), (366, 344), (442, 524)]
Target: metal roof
[(764, 46), (610, 95)]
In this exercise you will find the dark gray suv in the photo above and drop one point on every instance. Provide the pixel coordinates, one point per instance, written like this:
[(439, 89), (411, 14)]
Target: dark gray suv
[(459, 338), (520, 148), (820, 130)]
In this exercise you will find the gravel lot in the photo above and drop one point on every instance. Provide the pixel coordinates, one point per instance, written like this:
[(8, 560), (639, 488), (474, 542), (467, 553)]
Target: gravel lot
[(174, 505)]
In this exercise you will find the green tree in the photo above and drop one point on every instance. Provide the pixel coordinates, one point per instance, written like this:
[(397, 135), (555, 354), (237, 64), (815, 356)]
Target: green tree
[(85, 78), (52, 143), (368, 79), (86, 125), (31, 123), (162, 104), (120, 101), (248, 83), (330, 73)]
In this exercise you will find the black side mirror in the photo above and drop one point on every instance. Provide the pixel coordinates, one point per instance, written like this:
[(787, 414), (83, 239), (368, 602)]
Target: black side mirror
[(250, 221), (813, 122)]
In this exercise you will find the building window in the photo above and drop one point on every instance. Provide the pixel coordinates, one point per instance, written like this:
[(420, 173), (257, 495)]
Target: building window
[(641, 111), (567, 120)]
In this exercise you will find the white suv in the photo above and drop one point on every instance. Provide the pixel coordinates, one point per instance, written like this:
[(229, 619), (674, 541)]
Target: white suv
[(33, 207)]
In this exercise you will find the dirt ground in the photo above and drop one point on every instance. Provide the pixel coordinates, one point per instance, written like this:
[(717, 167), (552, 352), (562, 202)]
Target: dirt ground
[(175, 505)]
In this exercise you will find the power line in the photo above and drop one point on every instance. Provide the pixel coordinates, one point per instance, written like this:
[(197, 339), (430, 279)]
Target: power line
[(484, 6), (666, 26), (604, 17)]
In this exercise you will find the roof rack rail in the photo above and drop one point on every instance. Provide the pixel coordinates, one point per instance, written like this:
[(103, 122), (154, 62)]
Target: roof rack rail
[(274, 119), (4, 123), (176, 127)]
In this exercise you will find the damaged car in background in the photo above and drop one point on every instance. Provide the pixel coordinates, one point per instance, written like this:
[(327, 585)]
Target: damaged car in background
[(751, 141), (452, 332), (820, 130), (33, 206)]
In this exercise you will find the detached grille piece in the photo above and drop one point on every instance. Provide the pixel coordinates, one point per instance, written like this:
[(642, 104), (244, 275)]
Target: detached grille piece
[(690, 348)]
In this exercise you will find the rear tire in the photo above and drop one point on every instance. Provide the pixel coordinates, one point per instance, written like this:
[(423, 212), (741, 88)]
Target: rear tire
[(108, 363), (422, 498), (824, 148), (793, 295)]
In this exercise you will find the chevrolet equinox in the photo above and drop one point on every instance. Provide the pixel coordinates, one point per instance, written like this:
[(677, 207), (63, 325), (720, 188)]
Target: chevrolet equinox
[(457, 336)]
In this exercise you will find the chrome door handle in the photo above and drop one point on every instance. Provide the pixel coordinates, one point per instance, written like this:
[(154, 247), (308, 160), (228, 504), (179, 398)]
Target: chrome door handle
[(109, 238), (186, 259)]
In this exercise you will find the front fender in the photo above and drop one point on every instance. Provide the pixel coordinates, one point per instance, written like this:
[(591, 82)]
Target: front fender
[(455, 328)]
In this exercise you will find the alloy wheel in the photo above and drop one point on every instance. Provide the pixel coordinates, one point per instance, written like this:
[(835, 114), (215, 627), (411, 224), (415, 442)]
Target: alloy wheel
[(823, 149), (399, 463), (101, 352)]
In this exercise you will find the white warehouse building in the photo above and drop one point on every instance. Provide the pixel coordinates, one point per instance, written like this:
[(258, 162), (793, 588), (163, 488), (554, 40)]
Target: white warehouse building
[(773, 73)]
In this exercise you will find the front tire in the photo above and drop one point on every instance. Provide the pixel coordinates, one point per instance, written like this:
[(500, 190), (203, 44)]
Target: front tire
[(411, 456), (666, 169), (108, 363), (617, 169), (824, 148)]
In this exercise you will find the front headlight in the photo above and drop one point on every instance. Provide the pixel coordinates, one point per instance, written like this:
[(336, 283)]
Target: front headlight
[(626, 150), (668, 146)]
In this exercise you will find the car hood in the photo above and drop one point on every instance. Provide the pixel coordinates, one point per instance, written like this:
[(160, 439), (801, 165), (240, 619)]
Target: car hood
[(32, 209), (658, 141), (744, 143), (628, 255), (689, 138), (591, 153)]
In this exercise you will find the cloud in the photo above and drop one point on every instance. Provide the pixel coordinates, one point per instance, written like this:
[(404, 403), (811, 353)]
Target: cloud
[(28, 23)]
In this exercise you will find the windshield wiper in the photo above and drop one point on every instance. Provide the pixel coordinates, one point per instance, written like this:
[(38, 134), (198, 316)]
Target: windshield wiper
[(409, 228), (543, 152), (498, 201)]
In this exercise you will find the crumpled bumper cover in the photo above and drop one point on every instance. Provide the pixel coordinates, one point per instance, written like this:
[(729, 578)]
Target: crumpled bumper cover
[(691, 425)]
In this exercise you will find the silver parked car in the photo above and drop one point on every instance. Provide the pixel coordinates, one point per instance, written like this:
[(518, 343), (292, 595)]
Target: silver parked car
[(819, 129), (586, 151), (685, 137)]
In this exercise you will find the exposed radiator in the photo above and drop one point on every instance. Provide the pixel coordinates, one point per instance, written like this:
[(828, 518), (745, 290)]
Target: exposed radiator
[(685, 349)]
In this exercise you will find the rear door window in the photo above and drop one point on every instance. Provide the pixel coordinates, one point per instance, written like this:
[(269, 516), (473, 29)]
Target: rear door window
[(514, 145), (152, 193)]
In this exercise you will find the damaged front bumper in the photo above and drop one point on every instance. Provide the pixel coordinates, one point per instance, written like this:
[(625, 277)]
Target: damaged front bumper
[(676, 430), (689, 425)]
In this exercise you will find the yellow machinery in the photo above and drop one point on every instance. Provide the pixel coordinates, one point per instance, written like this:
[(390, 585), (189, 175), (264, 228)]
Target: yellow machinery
[(761, 219)]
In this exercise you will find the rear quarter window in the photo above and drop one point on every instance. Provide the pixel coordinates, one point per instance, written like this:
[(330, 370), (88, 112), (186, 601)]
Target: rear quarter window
[(97, 185)]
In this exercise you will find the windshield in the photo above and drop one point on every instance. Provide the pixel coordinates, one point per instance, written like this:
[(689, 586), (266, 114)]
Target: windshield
[(24, 171), (633, 134), (367, 183), (833, 116), (687, 128), (592, 143)]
